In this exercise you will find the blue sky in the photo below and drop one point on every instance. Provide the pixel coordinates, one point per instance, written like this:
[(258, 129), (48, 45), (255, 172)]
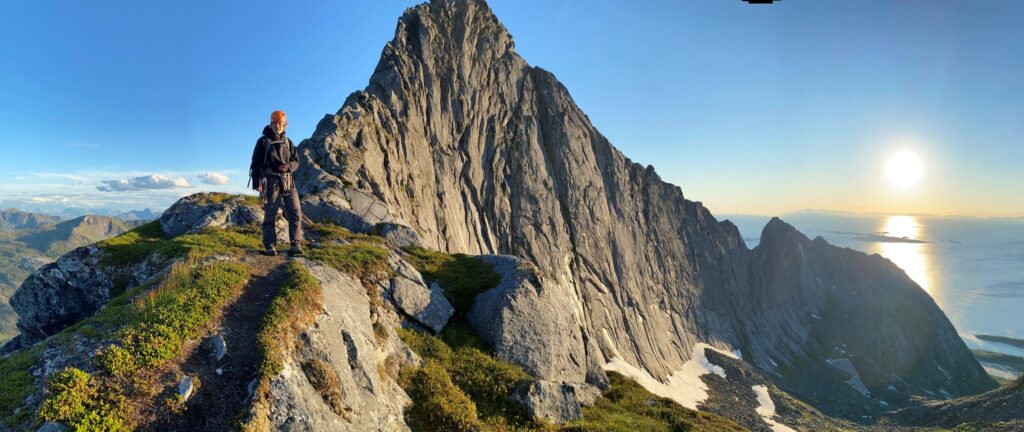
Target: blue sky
[(749, 108)]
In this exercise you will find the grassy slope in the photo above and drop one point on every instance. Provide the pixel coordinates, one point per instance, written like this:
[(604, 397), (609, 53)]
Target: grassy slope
[(148, 330)]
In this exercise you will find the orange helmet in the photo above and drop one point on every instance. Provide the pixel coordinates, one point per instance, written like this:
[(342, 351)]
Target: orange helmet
[(278, 116)]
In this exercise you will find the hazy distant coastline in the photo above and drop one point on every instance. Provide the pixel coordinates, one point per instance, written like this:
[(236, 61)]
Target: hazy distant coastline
[(1019, 343)]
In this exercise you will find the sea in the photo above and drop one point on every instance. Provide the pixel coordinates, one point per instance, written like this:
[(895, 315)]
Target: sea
[(972, 267)]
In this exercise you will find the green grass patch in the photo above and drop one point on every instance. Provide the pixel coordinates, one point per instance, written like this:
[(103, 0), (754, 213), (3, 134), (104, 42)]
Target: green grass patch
[(357, 258), (626, 407), (17, 383), (461, 276), (438, 404), (171, 313), (147, 239), (329, 231)]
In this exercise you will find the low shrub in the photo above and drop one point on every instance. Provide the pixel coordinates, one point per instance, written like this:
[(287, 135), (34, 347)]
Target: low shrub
[(438, 403), (83, 403), (17, 383)]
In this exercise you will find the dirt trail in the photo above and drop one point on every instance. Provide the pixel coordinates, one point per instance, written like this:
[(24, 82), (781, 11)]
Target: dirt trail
[(215, 405)]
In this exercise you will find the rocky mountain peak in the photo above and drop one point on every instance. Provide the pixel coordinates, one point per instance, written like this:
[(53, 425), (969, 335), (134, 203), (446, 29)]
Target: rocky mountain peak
[(460, 146), (776, 231), (473, 150)]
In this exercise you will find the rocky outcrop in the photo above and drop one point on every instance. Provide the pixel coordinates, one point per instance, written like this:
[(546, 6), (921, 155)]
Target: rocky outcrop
[(458, 138), (556, 402), (529, 320), (61, 293), (427, 306), (842, 309), (1002, 405), (341, 338), (195, 212)]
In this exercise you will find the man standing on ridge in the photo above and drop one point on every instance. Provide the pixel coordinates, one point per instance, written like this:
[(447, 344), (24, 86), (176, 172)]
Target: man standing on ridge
[(273, 161)]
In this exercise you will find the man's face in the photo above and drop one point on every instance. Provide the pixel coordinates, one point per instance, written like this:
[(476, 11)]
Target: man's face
[(279, 126)]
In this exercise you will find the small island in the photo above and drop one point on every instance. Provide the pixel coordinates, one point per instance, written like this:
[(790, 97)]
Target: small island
[(887, 239), (1019, 343)]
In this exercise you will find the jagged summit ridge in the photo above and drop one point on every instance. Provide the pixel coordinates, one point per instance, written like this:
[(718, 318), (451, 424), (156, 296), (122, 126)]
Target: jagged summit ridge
[(460, 139)]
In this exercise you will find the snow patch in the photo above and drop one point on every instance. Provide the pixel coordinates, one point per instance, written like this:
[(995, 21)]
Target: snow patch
[(846, 365), (766, 409), (684, 385)]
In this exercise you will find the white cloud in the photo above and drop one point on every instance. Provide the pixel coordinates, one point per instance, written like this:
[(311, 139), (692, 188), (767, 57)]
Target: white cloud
[(214, 178), (152, 181)]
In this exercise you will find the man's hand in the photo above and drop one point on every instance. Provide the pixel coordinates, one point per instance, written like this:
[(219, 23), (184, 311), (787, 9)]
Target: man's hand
[(282, 168), (259, 188)]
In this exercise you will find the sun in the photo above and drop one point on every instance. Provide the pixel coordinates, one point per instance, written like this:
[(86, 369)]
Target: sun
[(904, 169)]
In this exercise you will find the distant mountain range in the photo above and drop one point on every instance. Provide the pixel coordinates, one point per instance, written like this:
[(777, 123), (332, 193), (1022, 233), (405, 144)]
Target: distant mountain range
[(29, 240), (14, 219)]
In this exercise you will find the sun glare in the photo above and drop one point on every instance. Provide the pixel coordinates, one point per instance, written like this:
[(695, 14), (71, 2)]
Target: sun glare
[(904, 169)]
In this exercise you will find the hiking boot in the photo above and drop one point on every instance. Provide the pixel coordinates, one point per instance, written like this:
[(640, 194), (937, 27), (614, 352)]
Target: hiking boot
[(295, 250), (270, 252)]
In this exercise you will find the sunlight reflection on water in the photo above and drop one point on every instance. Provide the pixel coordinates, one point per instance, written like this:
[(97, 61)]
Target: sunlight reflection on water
[(908, 256)]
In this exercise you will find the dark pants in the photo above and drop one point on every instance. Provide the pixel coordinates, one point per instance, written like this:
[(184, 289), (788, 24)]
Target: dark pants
[(278, 196)]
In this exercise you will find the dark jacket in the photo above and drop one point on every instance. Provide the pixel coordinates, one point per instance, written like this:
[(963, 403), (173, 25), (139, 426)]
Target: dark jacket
[(272, 151)]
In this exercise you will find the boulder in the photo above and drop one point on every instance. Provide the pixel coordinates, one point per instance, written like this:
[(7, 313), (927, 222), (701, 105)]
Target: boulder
[(52, 427), (186, 387), (61, 293), (530, 321), (399, 235), (220, 348), (428, 306), (552, 401)]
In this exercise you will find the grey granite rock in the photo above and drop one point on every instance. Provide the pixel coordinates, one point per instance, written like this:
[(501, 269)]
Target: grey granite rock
[(61, 293), (556, 402), (428, 306), (531, 321), (52, 427), (186, 387), (198, 211), (220, 348), (343, 338), (458, 138), (355, 210), (399, 235)]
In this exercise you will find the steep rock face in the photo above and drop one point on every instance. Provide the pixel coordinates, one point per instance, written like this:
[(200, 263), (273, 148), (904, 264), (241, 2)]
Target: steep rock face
[(480, 153), (457, 137)]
